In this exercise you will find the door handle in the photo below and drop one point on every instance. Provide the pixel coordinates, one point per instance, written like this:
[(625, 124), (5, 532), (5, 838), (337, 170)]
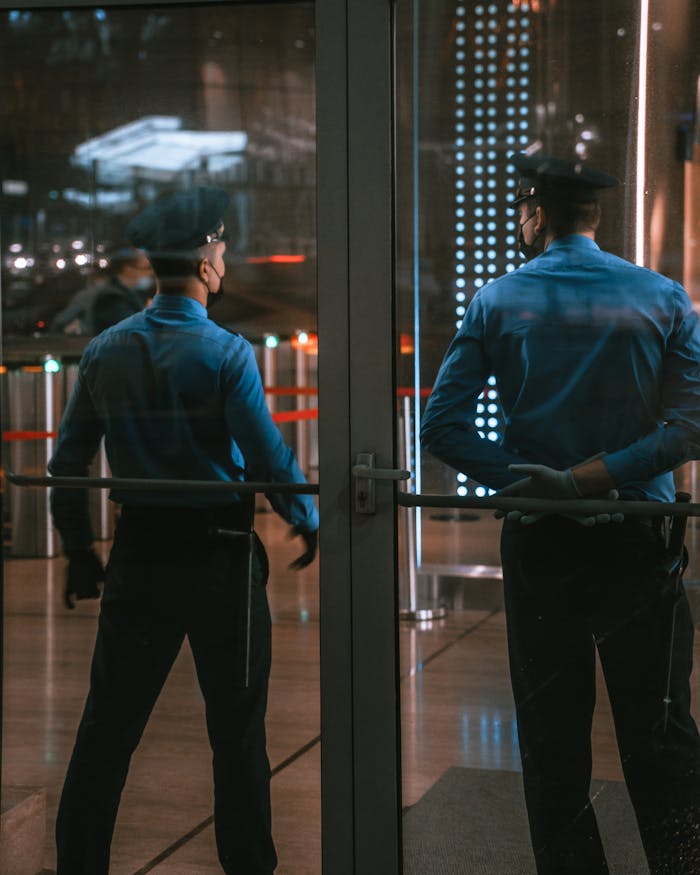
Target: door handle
[(365, 474)]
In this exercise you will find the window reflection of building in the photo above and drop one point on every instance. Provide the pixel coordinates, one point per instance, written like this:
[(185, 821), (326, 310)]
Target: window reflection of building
[(247, 69)]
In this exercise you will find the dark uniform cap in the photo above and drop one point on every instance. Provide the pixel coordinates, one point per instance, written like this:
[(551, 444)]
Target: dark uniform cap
[(558, 177), (179, 222)]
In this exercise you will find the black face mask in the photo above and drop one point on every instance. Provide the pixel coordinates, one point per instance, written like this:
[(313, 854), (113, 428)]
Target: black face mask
[(214, 297), (529, 250)]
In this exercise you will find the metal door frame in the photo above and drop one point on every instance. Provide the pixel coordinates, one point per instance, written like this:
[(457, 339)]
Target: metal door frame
[(361, 801)]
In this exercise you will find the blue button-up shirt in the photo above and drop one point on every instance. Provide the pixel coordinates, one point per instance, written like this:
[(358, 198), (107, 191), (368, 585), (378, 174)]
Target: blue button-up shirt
[(590, 354), (176, 397)]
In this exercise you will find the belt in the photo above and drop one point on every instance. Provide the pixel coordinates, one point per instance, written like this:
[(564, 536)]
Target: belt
[(237, 516)]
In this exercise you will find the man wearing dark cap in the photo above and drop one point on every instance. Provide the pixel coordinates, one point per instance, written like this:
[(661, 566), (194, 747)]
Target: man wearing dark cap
[(176, 397), (597, 363)]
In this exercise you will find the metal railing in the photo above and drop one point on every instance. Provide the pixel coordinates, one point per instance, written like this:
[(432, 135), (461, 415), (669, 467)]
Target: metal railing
[(574, 506), (154, 485)]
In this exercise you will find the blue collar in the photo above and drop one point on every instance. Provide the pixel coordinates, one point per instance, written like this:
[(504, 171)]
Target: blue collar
[(180, 303), (573, 241)]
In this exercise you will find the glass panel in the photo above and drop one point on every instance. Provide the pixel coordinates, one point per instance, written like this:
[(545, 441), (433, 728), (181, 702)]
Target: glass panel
[(610, 85), (106, 112)]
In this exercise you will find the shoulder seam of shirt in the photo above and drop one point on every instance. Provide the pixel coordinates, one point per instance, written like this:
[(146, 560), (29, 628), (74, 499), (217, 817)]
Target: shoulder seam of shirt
[(219, 336)]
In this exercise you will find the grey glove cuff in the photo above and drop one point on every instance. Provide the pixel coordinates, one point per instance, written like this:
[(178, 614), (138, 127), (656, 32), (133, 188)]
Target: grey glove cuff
[(572, 482)]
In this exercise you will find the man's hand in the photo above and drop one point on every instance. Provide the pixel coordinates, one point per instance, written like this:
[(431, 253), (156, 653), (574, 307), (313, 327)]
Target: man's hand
[(544, 482), (311, 544), (540, 481), (84, 572)]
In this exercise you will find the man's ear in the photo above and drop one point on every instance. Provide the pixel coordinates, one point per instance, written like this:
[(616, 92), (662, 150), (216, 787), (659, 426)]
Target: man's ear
[(540, 220), (202, 269)]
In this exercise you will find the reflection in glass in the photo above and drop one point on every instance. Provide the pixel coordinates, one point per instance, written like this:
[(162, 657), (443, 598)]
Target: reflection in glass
[(138, 104), (142, 102), (613, 85)]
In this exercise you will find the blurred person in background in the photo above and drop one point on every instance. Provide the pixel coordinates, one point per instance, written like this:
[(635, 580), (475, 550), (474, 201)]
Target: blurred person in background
[(128, 288)]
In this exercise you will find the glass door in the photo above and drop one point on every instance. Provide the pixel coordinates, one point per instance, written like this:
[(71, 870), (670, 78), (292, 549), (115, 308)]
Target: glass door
[(106, 109), (610, 85)]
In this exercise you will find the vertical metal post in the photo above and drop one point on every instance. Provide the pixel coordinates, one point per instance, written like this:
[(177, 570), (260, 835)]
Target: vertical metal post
[(270, 374), (302, 429), (51, 418), (408, 613), (33, 402), (412, 612)]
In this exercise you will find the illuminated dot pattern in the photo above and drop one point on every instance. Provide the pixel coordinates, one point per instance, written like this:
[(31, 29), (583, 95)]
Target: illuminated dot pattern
[(492, 120)]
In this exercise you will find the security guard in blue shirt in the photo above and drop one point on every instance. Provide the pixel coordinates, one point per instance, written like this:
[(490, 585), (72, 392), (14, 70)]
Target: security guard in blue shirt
[(597, 363), (175, 397)]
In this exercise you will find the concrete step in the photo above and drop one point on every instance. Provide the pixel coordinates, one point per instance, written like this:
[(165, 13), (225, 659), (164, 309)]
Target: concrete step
[(22, 830)]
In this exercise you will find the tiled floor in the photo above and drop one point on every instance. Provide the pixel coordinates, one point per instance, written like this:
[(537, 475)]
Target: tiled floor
[(456, 701)]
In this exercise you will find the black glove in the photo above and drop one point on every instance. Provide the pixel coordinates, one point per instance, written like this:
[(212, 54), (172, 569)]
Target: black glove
[(84, 572), (311, 544)]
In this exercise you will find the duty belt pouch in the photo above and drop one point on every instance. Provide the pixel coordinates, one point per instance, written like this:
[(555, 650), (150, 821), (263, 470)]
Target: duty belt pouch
[(673, 566), (237, 528)]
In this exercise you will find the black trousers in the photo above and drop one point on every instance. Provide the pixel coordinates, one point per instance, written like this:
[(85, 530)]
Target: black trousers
[(168, 578), (568, 590)]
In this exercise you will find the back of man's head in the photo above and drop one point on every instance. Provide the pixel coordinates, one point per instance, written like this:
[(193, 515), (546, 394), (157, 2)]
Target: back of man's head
[(568, 191), (173, 229), (565, 216)]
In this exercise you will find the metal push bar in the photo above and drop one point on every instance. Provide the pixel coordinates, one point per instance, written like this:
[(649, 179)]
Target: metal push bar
[(577, 506), (150, 485)]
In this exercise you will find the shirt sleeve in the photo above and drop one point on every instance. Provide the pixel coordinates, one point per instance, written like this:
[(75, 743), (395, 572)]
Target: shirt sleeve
[(447, 427), (267, 457), (677, 440), (79, 437)]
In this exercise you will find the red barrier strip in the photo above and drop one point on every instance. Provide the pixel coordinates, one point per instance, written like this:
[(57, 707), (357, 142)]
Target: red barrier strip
[(402, 392), (288, 416), (276, 259), (285, 416), (290, 390), (411, 393), (28, 435), (295, 415)]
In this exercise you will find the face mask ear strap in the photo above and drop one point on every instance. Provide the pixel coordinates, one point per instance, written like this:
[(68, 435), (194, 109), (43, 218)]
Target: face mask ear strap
[(529, 250), (214, 297)]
